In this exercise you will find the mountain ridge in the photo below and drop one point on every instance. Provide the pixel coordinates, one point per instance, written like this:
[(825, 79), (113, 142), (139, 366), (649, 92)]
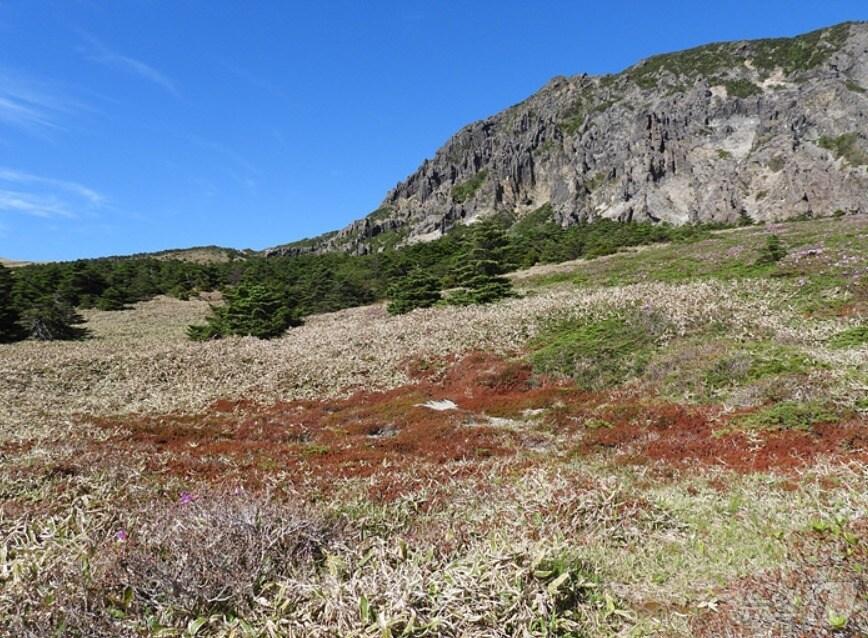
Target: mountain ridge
[(764, 129)]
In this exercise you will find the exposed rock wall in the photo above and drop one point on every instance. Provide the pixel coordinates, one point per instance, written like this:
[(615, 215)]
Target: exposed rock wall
[(769, 129)]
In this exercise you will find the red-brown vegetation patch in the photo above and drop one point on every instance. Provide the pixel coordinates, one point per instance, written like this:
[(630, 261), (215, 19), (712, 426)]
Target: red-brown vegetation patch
[(353, 437), (392, 431), (695, 436), (16, 447)]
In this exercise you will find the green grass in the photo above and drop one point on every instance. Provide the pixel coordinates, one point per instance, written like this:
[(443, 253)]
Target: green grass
[(701, 61), (597, 354), (853, 86), (776, 164), (466, 189), (824, 284), (754, 362), (846, 146), (668, 266), (793, 55), (710, 366), (851, 338), (742, 88), (574, 116), (388, 240), (821, 293), (797, 55), (789, 415), (381, 213)]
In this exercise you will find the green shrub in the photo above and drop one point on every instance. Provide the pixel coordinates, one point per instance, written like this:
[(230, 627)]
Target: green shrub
[(772, 252), (755, 362), (418, 289), (331, 281), (597, 354), (573, 118), (845, 146), (805, 52), (776, 164), (789, 415), (112, 298), (851, 337), (465, 190), (249, 310), (742, 88), (855, 87)]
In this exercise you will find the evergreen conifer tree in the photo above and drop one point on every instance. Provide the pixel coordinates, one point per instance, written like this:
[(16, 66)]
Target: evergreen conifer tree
[(249, 310), (52, 318), (482, 264), (9, 328), (773, 251), (418, 289), (112, 298)]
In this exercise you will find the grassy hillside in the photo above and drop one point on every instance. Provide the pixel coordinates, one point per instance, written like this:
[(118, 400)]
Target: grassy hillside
[(202, 254), (11, 263), (669, 441)]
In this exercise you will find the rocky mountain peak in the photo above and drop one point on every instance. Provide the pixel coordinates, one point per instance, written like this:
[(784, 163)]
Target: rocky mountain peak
[(766, 129)]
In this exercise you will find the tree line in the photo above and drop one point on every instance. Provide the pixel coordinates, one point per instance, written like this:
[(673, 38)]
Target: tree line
[(41, 301)]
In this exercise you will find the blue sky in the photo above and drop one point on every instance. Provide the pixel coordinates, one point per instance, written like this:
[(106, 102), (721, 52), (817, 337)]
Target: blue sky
[(137, 125)]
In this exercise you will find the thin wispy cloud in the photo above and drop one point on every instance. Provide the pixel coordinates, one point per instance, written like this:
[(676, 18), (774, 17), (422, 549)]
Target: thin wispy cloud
[(97, 51), (9, 175), (25, 104), (45, 197), (35, 205)]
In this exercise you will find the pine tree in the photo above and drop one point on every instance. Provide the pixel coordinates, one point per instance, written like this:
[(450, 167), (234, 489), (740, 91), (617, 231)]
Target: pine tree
[(52, 318), (249, 310), (112, 298), (773, 251), (479, 277), (417, 289), (81, 284), (9, 328)]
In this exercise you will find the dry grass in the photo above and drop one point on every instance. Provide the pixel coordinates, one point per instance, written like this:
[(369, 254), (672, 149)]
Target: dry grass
[(554, 550), (529, 510), (139, 360)]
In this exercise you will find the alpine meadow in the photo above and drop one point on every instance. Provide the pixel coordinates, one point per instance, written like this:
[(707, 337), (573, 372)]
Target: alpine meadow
[(597, 368)]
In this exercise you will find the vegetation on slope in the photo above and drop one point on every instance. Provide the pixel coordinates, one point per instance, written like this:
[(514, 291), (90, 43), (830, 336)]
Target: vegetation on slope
[(417, 289), (249, 310), (846, 146), (792, 55), (323, 283), (465, 190), (689, 463)]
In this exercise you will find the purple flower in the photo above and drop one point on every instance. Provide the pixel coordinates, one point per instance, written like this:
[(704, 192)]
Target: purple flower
[(186, 498), (121, 535)]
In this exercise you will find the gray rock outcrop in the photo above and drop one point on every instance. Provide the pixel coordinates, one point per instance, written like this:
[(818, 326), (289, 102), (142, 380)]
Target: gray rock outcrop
[(765, 129)]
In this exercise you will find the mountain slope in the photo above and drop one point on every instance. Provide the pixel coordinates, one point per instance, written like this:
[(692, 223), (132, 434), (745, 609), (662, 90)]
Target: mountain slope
[(768, 129), (12, 263)]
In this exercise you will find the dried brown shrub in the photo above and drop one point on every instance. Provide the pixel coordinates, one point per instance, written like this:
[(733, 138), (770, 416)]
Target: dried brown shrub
[(197, 557), (213, 553), (822, 593)]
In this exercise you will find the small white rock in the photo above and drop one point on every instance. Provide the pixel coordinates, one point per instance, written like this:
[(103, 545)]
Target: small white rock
[(439, 406)]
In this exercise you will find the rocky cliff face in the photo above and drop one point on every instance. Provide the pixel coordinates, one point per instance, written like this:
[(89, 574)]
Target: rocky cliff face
[(768, 129)]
